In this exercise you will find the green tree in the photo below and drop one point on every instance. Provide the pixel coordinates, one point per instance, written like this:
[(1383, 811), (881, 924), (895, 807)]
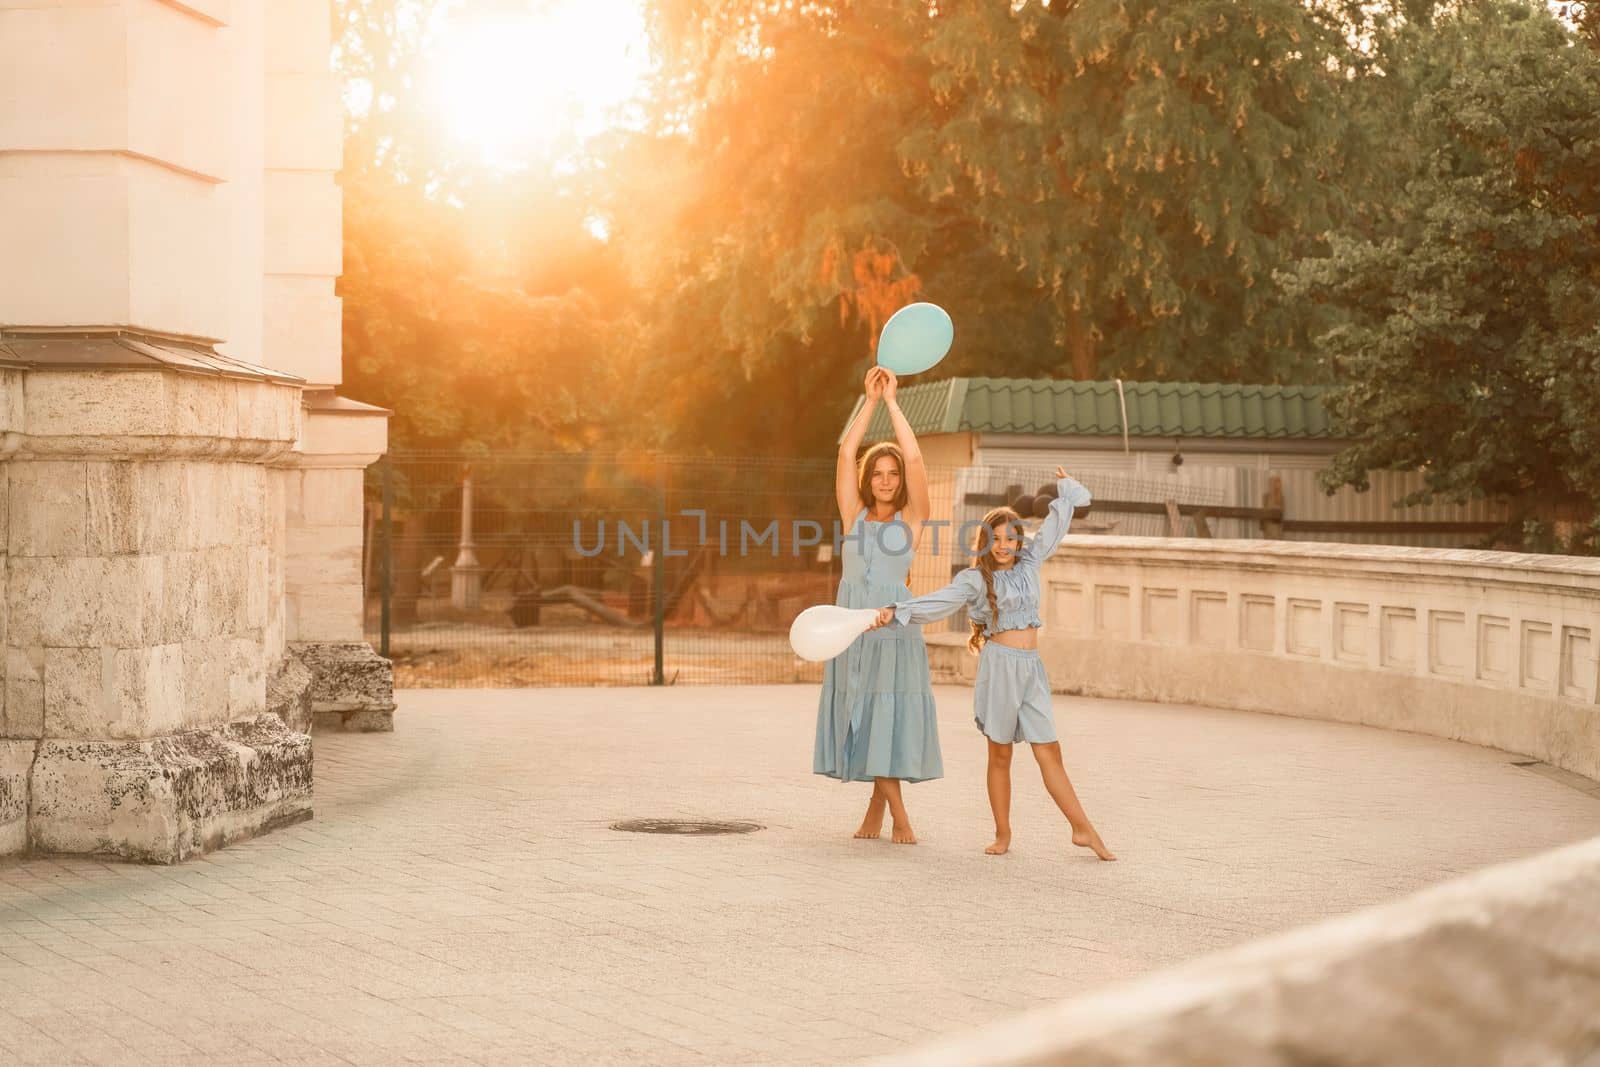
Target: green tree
[(772, 229), (1096, 187), (1469, 345), (480, 307), (483, 325), (1148, 164)]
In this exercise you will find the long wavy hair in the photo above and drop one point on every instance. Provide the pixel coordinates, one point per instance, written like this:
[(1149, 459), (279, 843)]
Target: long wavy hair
[(995, 520), (864, 474)]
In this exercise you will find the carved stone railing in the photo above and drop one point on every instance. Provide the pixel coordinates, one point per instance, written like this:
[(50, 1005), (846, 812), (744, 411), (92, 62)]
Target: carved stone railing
[(1493, 648)]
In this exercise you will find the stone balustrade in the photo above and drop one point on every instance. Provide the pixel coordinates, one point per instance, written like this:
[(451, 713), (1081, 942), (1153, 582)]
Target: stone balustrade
[(1494, 648)]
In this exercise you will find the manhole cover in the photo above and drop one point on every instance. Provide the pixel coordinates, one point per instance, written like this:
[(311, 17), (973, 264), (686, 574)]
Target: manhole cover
[(692, 827)]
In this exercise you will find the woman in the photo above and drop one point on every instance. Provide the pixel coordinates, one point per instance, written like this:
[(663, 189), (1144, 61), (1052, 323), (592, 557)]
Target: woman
[(876, 720)]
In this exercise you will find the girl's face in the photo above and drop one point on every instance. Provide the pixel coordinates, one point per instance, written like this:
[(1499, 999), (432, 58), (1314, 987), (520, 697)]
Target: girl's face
[(1006, 544), (885, 479)]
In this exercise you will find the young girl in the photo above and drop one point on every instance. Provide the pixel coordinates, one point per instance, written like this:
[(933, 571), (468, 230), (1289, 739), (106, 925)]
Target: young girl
[(875, 718), (1012, 696)]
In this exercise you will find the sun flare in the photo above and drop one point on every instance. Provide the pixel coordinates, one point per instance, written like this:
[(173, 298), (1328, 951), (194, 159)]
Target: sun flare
[(509, 88)]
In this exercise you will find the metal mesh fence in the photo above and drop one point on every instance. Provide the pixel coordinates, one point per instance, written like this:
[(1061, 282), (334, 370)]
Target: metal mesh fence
[(561, 569)]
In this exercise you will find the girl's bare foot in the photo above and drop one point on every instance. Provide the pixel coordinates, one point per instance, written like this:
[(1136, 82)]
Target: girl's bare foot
[(1090, 839), (1002, 842), (902, 834)]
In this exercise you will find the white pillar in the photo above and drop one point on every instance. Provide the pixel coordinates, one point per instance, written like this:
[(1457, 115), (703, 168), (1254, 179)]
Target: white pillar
[(466, 577)]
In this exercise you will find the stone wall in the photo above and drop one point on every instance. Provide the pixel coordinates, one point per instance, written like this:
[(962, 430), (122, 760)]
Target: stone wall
[(138, 536), (1494, 648)]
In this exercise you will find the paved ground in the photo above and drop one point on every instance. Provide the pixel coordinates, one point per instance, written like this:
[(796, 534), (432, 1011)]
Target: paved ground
[(460, 898)]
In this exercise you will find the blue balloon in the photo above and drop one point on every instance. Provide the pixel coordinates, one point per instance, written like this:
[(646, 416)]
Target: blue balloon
[(915, 338)]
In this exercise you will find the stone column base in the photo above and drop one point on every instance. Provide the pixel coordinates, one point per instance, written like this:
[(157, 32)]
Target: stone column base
[(352, 686), (169, 798)]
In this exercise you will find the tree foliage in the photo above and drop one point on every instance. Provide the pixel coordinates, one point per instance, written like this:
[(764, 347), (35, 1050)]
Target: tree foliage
[(1398, 196), (1468, 335), (481, 308)]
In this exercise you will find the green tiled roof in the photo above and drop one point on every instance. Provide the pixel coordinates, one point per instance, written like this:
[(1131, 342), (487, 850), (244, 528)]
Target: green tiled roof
[(1155, 409)]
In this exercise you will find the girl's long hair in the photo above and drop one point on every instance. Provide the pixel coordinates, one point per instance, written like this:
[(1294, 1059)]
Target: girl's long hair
[(994, 521)]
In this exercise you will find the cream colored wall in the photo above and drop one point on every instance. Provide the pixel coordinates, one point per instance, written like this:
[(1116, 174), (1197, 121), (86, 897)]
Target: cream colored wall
[(113, 167), (304, 134), (192, 147)]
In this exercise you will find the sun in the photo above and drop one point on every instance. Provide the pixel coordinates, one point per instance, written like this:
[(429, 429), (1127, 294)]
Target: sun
[(508, 88)]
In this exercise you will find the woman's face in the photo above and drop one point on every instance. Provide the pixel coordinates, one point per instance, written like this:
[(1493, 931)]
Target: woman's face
[(1006, 544), (885, 479)]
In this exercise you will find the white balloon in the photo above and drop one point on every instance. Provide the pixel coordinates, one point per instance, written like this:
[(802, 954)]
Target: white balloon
[(822, 632)]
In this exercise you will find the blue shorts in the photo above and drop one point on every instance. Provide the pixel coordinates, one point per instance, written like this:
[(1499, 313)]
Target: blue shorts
[(1011, 701)]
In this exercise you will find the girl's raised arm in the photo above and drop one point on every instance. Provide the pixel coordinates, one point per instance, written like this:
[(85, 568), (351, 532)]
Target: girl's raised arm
[(1070, 494)]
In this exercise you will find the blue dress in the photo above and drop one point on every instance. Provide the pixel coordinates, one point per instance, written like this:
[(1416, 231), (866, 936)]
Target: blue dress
[(876, 717)]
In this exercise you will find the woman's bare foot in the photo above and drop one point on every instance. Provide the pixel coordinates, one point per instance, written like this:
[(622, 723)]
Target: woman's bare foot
[(902, 834), (1090, 839), (1002, 843), (872, 823)]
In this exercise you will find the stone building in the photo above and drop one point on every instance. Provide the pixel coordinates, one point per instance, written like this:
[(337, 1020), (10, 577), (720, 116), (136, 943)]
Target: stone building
[(181, 515)]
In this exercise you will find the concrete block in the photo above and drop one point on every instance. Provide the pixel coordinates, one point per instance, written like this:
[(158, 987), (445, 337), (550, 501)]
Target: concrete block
[(11, 413), (146, 692), (332, 496), (364, 434), (24, 704), (267, 412), (96, 403), (164, 509), (116, 515), (328, 613), (351, 683), (257, 586), (166, 799), (323, 555), (205, 594), (49, 509), (75, 699), (55, 601), (194, 405), (206, 665)]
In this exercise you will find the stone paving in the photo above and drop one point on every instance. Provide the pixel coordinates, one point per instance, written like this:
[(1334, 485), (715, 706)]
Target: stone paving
[(460, 897)]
